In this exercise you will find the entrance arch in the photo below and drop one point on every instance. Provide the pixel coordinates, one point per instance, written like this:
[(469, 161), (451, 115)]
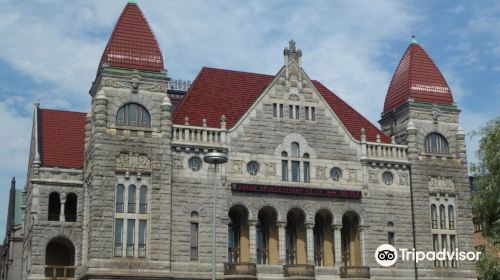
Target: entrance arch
[(351, 250), (60, 258), (323, 239), (267, 236), (238, 235), (295, 237)]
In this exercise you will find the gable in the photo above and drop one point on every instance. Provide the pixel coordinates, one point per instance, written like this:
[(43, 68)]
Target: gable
[(217, 91)]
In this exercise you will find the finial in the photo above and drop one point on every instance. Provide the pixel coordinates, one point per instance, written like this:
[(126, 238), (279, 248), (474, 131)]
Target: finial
[(291, 45), (186, 120), (36, 102), (204, 121), (363, 134), (132, 2), (393, 139), (223, 121), (378, 138), (413, 40)]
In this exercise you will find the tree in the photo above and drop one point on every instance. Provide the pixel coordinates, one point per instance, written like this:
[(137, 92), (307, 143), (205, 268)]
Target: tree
[(486, 198)]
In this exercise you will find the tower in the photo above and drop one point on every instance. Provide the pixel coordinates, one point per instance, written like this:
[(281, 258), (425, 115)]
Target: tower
[(127, 156), (419, 111)]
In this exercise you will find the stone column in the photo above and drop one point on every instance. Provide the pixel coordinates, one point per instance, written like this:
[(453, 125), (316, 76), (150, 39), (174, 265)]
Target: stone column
[(338, 244), (62, 218), (281, 243), (361, 230), (310, 243), (252, 225)]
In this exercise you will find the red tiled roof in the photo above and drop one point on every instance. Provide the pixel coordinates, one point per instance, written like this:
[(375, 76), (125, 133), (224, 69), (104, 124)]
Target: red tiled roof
[(132, 43), (62, 137), (418, 78), (217, 91)]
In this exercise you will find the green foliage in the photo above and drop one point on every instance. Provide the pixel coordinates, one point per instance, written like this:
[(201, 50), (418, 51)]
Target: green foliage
[(486, 198)]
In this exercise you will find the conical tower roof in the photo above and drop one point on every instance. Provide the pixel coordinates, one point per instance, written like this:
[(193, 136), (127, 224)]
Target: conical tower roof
[(132, 43), (418, 78)]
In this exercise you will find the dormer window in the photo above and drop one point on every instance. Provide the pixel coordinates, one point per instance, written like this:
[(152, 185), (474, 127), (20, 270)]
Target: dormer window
[(435, 143), (133, 114)]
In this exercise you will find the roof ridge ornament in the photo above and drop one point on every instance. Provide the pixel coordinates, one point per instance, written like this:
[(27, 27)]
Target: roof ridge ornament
[(293, 72), (413, 40)]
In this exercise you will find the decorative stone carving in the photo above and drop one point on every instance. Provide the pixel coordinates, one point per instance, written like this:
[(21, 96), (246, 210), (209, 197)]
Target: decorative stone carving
[(403, 179), (178, 162), (236, 166), (132, 161), (352, 175), (321, 172), (293, 97), (373, 176), (155, 88), (269, 168), (441, 184), (115, 84)]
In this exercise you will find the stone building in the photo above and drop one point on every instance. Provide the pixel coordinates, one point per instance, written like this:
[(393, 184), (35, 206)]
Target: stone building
[(10, 262), (311, 188)]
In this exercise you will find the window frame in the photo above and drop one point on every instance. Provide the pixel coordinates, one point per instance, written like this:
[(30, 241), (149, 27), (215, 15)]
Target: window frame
[(142, 116)]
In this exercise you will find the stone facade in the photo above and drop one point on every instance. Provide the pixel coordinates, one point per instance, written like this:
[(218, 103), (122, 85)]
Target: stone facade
[(327, 198)]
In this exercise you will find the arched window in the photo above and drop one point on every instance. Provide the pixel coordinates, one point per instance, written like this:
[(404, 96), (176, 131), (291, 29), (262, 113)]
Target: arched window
[(120, 194), (60, 259), (436, 143), (131, 199), (434, 216), (133, 114), (70, 208), (284, 166), (143, 200), (451, 217), (295, 149), (442, 217), (54, 206)]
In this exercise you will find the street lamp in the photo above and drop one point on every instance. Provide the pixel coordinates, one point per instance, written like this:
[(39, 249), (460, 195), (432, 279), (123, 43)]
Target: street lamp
[(214, 158)]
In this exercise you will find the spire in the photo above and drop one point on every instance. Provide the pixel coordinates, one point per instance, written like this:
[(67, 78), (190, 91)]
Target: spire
[(417, 78), (132, 43)]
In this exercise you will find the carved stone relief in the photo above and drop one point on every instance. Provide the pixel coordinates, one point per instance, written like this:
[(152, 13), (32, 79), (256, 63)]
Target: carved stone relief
[(236, 166), (294, 97), (351, 175), (441, 184), (132, 161), (269, 168), (178, 162), (373, 176), (321, 172), (403, 179)]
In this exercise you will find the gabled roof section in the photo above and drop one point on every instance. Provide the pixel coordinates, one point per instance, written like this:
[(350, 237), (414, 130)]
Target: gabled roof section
[(417, 77), (61, 137), (217, 91), (132, 43)]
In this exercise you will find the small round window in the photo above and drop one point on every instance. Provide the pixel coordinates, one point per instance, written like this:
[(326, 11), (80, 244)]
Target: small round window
[(388, 178), (336, 173), (195, 163), (253, 167)]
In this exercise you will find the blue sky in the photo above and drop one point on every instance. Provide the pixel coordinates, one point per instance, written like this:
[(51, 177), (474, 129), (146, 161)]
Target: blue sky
[(50, 50)]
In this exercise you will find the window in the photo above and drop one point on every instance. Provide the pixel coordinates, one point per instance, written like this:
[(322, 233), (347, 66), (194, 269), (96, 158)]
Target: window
[(295, 171), (54, 207), (118, 237), (70, 208), (390, 238), (143, 197), (435, 143), (444, 246), (442, 217), (131, 199), (133, 114), (142, 238), (388, 178), (313, 114), (451, 217), (306, 113), (194, 163), (453, 246), (284, 167), (281, 110), (275, 110), (290, 111), (295, 149), (309, 113), (130, 237), (478, 226), (297, 112), (307, 176), (253, 167), (435, 247), (434, 216), (194, 241), (336, 173), (120, 194)]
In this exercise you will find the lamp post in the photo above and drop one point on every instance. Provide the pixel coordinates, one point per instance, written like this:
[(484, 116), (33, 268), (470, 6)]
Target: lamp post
[(214, 158)]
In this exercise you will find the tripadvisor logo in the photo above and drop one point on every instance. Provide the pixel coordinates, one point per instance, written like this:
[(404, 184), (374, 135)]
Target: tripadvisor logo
[(387, 255)]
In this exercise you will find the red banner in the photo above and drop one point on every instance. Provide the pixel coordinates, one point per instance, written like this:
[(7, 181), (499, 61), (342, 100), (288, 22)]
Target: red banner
[(295, 190)]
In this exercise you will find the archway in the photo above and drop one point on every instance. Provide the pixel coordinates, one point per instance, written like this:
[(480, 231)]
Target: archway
[(295, 237), (238, 235), (60, 258), (323, 239), (351, 253), (267, 236)]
